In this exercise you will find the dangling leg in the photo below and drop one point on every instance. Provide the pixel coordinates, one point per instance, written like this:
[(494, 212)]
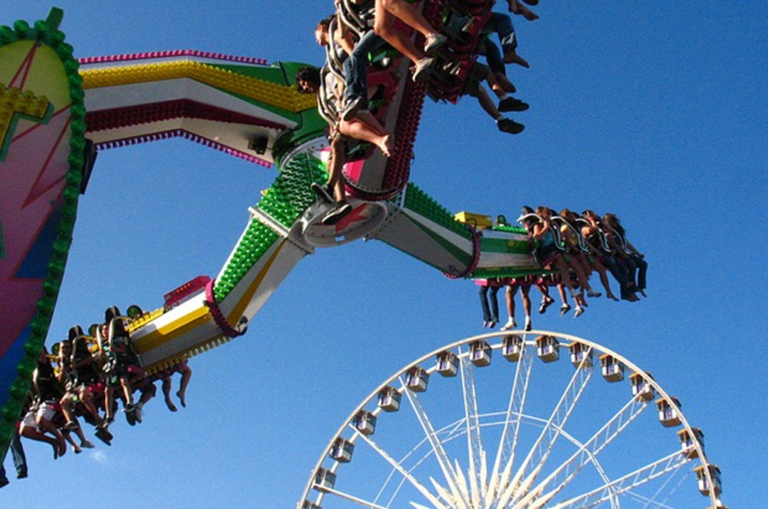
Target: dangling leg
[(186, 375), (526, 290), (484, 306), (167, 394), (510, 298)]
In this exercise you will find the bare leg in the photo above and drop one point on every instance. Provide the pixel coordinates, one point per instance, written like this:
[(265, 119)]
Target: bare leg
[(486, 103), (510, 297), (526, 290), (503, 82), (109, 403), (127, 391), (87, 399), (580, 275), (361, 131), (48, 426), (603, 277), (34, 434), (66, 408), (516, 7), (409, 14), (75, 448), (186, 375), (494, 84), (335, 174), (167, 394), (383, 26)]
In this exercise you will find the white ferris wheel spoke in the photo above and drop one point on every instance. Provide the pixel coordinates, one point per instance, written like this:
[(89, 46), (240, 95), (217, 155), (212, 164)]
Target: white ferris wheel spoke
[(663, 490), (437, 447), (507, 447), (405, 473), (540, 451), (475, 449), (352, 498), (621, 485), (589, 450)]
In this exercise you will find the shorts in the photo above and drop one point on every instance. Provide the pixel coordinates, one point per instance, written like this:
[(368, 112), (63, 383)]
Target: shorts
[(477, 74), (29, 421), (47, 410)]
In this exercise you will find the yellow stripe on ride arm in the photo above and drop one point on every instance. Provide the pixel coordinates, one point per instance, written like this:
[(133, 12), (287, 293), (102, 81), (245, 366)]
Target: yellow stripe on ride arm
[(182, 325), (242, 303), (281, 96)]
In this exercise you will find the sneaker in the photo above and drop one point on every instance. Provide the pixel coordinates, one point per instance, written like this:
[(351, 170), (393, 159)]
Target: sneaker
[(545, 304), (4, 482), (76, 448), (512, 104), (528, 326), (579, 311), (337, 213), (352, 107), (592, 293), (87, 445), (322, 192), (434, 41), (507, 125), (423, 69), (510, 324), (137, 412), (22, 475), (564, 309)]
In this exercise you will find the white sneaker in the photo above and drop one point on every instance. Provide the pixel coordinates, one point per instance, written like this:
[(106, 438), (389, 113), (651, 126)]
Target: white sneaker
[(510, 324)]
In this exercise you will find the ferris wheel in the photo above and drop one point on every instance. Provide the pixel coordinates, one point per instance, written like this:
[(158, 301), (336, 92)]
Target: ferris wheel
[(502, 421)]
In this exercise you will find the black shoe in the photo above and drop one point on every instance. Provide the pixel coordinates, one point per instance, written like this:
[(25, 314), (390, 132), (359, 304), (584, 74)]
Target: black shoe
[(130, 415), (22, 475), (512, 104), (545, 304), (507, 125), (105, 436), (337, 213), (322, 192), (4, 482)]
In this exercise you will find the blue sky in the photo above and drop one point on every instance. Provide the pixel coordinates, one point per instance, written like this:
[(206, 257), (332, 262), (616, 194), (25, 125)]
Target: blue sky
[(654, 111)]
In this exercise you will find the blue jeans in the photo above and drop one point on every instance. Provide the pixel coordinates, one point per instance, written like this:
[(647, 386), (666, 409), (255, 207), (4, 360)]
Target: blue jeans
[(502, 25), (642, 268), (19, 459), (621, 274), (356, 66), (492, 314)]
